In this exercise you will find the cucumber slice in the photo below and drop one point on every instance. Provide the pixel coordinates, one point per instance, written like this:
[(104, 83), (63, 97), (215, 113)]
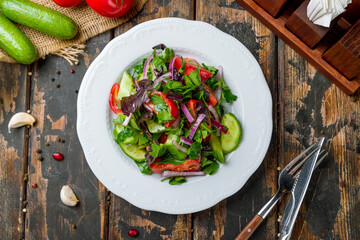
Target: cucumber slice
[(128, 140), (217, 148), (231, 140), (126, 86), (172, 138), (155, 127), (132, 150), (176, 153)]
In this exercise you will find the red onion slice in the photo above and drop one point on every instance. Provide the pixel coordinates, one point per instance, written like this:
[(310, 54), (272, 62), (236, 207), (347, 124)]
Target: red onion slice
[(136, 84), (219, 73), (216, 115), (181, 174), (178, 146), (214, 112), (127, 120), (187, 113), (219, 126), (161, 78), (186, 141), (171, 67), (196, 125), (146, 67), (147, 107)]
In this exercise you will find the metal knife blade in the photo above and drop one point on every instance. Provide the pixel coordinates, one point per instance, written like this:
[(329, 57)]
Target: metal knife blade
[(298, 194)]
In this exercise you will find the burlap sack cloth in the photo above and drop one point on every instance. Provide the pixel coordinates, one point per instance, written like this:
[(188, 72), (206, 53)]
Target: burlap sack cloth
[(89, 22)]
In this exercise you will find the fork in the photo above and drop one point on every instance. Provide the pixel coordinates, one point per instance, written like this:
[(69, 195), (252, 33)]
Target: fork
[(287, 178)]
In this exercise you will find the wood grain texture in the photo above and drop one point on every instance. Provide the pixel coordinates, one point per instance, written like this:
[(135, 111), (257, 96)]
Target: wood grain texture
[(13, 99), (306, 107), (55, 108), (313, 108), (345, 54), (229, 217), (312, 55), (123, 216)]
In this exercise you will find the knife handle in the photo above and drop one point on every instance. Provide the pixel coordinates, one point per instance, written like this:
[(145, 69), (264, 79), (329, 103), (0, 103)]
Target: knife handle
[(250, 228)]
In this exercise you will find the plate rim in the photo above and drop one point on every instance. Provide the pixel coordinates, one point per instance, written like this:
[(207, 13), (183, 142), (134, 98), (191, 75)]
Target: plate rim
[(259, 73)]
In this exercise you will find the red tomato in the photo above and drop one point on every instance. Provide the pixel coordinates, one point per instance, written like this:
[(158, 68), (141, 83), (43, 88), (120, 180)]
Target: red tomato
[(113, 99), (173, 109), (187, 166), (191, 105), (191, 66), (67, 3), (212, 99), (110, 8), (163, 138)]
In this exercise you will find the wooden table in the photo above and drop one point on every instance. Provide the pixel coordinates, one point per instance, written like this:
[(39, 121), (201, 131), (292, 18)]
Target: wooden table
[(306, 106)]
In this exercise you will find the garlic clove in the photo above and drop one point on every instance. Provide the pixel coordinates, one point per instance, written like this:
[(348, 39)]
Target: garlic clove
[(68, 196), (21, 119)]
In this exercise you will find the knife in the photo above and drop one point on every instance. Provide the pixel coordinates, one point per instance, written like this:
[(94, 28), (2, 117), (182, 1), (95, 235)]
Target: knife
[(298, 194)]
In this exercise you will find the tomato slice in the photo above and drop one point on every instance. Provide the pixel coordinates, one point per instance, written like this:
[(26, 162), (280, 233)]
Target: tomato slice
[(191, 66), (191, 105), (187, 166), (173, 109), (212, 99), (114, 102), (163, 138)]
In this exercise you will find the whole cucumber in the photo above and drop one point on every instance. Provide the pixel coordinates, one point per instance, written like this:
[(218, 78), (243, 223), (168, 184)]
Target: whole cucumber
[(40, 18), (15, 43)]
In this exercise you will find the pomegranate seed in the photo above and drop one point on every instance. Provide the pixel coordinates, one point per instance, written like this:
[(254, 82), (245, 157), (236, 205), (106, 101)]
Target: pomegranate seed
[(133, 232), (58, 156), (34, 185)]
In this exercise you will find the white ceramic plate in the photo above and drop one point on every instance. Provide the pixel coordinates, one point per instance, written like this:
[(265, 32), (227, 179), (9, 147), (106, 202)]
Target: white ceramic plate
[(204, 43)]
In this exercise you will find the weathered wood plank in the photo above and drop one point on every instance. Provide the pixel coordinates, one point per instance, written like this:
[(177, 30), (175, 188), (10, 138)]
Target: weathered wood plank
[(13, 98), (313, 108), (226, 219), (55, 109), (123, 216)]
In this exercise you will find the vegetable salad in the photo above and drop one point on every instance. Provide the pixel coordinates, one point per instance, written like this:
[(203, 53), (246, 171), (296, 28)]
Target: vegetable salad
[(170, 118)]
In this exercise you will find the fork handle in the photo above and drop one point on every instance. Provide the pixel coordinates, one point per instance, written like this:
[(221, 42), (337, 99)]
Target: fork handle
[(250, 228)]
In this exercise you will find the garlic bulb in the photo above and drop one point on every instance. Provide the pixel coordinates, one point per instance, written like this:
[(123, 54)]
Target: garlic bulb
[(21, 119), (68, 196)]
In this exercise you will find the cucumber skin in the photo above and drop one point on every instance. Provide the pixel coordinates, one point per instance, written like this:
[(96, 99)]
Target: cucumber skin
[(240, 132), (15, 43), (216, 148), (40, 18)]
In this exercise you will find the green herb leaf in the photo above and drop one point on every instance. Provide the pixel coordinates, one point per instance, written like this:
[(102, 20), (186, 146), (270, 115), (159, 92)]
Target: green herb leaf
[(205, 161), (138, 69), (213, 83), (155, 150), (166, 55), (195, 77), (158, 62), (194, 151), (119, 119), (211, 69), (175, 180), (212, 168), (160, 106), (144, 168), (168, 158), (126, 132), (226, 93)]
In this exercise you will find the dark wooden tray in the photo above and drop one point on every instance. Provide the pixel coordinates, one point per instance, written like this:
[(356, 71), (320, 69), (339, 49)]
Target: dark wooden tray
[(278, 22)]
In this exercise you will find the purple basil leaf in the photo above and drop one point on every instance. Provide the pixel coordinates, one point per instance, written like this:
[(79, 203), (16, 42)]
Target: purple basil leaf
[(175, 96), (159, 46)]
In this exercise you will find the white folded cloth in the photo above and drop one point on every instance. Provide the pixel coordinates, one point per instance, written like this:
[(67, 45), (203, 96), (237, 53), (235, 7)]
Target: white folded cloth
[(322, 12)]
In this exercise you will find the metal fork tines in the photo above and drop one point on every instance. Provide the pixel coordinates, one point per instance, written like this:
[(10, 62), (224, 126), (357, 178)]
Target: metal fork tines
[(287, 179), (289, 174)]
